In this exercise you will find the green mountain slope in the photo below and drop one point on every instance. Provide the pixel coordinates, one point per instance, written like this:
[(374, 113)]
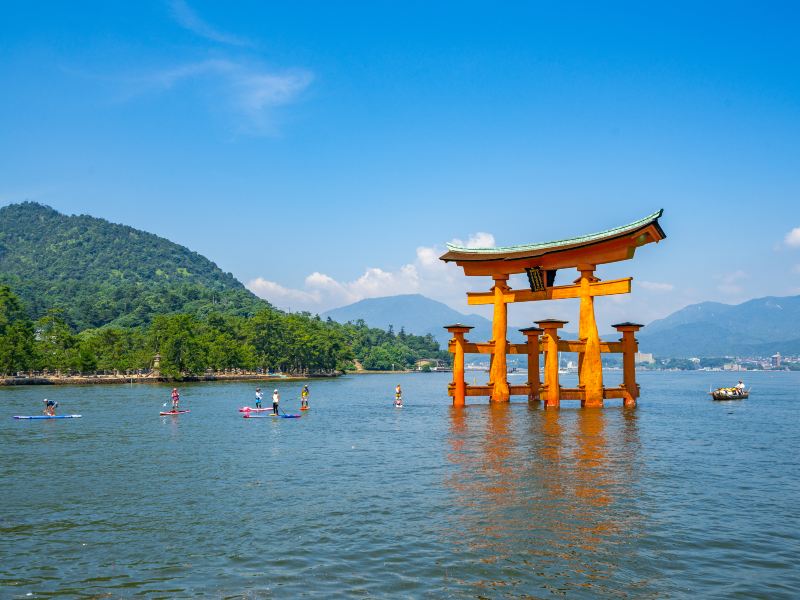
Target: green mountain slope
[(101, 273)]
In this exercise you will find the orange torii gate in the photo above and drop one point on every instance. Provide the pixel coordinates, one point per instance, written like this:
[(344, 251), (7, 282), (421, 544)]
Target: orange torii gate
[(540, 262)]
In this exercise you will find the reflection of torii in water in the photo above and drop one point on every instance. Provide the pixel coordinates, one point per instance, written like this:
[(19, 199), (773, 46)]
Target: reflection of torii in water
[(547, 493)]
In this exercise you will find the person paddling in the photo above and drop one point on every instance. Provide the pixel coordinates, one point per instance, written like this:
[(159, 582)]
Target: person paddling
[(276, 398), (50, 407), (259, 397), (304, 397), (176, 398), (398, 396)]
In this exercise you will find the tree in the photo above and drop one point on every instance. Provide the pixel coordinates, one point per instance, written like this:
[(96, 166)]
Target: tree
[(16, 334), (56, 344), (176, 337)]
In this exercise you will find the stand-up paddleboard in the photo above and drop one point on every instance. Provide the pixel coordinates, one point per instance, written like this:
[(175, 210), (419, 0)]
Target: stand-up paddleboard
[(173, 412), (48, 417), (249, 416), (305, 408), (248, 409)]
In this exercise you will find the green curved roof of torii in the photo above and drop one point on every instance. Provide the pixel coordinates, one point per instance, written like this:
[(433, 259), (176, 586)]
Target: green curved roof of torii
[(456, 252)]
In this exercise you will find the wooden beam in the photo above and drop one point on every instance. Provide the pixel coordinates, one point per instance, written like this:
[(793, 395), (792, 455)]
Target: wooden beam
[(578, 346), (563, 346), (523, 390), (488, 348), (559, 292)]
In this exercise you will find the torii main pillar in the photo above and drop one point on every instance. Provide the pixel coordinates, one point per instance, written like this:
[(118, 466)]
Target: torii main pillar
[(498, 371), (590, 366)]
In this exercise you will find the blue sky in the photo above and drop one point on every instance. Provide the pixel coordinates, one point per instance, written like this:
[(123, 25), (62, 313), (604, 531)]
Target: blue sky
[(324, 152)]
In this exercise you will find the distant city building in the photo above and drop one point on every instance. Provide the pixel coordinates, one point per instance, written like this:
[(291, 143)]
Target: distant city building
[(644, 357), (776, 360)]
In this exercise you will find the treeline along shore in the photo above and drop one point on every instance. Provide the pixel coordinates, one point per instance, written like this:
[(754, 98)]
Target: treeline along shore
[(188, 347)]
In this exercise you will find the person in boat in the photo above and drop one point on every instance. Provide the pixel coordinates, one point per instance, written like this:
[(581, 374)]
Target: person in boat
[(304, 397), (259, 397), (50, 407), (740, 387), (398, 395), (276, 398), (176, 399)]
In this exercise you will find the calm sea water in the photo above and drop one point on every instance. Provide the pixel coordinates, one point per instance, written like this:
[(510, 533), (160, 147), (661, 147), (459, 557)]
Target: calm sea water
[(680, 497)]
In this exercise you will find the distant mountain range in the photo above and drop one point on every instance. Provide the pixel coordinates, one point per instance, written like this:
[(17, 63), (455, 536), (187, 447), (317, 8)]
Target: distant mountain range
[(758, 327), (415, 313)]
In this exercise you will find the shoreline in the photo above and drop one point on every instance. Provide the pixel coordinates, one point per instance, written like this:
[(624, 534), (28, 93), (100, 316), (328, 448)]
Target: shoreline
[(365, 372), (145, 379)]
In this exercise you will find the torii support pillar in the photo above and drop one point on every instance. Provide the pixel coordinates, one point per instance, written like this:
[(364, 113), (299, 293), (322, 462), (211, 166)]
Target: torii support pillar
[(459, 384), (590, 366), (498, 371), (552, 396), (532, 335), (629, 349)]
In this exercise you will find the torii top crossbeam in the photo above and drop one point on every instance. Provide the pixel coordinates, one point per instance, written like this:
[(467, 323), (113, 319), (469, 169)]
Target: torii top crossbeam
[(611, 245)]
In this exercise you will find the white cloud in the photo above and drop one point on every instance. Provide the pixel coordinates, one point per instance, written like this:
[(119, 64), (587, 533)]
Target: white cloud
[(792, 238), (476, 240), (425, 275), (188, 19), (655, 286), (731, 283), (279, 295)]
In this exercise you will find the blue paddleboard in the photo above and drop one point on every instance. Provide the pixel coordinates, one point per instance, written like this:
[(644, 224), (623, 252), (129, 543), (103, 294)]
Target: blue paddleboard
[(49, 417), (248, 416)]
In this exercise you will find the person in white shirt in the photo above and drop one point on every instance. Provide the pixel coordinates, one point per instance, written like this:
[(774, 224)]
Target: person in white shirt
[(276, 398), (259, 397), (740, 387)]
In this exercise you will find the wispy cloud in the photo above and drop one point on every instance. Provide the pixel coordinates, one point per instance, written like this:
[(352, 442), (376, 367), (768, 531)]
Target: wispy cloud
[(190, 20), (250, 89), (655, 286), (792, 238)]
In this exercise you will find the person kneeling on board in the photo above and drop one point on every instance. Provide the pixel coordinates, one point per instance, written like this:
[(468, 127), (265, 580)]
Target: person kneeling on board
[(276, 398), (50, 407)]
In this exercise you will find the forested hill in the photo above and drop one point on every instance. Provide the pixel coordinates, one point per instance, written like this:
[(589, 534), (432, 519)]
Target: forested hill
[(80, 294), (98, 272)]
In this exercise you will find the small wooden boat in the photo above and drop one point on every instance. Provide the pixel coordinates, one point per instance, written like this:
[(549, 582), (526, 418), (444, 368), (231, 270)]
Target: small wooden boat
[(729, 394)]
